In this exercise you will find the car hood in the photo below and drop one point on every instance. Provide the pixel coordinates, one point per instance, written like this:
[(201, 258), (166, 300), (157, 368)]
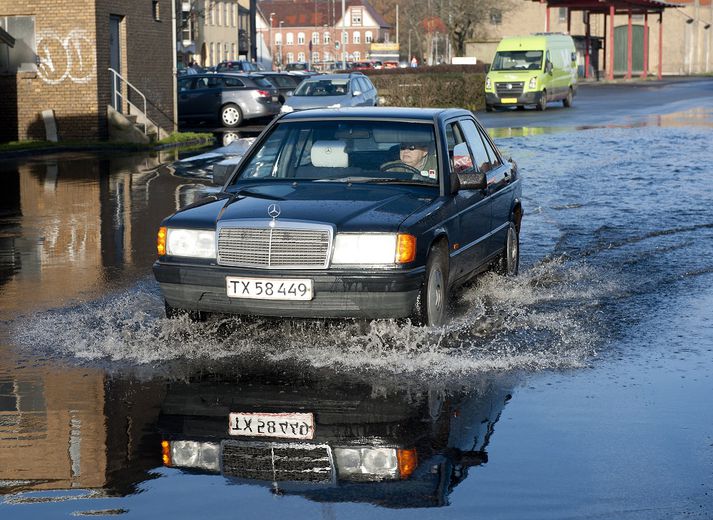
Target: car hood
[(349, 207), (305, 102)]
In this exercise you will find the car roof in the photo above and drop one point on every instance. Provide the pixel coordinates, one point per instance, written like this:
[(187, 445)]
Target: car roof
[(393, 113), (349, 75)]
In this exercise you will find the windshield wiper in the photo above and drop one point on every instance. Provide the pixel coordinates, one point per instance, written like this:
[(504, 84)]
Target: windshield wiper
[(248, 193)]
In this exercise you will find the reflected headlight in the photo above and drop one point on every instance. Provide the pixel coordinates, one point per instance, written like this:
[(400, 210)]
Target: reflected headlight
[(533, 83), (369, 463), (374, 248), (286, 109), (192, 454), (487, 83), (195, 243), (335, 105)]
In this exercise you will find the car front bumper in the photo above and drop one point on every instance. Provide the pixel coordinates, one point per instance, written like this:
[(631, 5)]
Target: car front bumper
[(337, 293), (526, 98)]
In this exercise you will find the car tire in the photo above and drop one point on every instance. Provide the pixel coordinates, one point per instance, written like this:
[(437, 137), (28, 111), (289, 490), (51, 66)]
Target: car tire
[(231, 115), (173, 313), (542, 103), (567, 102), (432, 304), (488, 108), (509, 261)]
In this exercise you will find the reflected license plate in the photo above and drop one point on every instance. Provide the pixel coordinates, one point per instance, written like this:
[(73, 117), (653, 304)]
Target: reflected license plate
[(508, 100), (269, 288), (279, 425), (275, 98)]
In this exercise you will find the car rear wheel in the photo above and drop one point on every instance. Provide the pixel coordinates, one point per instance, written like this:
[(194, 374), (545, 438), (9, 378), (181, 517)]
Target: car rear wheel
[(231, 115), (542, 103), (432, 305), (488, 108), (567, 102), (173, 313), (509, 261)]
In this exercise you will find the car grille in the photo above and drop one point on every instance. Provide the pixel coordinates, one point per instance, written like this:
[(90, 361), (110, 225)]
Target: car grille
[(296, 462), (278, 247), (515, 89)]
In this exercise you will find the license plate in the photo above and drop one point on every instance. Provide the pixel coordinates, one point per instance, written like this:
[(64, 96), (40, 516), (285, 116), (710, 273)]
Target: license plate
[(269, 288), (508, 100), (275, 98), (278, 425)]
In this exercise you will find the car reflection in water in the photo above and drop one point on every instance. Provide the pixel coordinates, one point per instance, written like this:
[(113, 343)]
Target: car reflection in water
[(331, 438)]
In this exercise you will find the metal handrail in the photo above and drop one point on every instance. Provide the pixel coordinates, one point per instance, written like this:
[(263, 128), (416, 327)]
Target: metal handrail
[(118, 94)]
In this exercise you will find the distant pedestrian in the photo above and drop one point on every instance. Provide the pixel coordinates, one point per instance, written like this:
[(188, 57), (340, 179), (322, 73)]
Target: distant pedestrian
[(414, 62)]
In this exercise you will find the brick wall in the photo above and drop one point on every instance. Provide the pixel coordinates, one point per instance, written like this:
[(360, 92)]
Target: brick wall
[(72, 47)]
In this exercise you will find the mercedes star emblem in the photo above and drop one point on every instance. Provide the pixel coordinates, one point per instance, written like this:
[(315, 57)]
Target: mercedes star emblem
[(273, 210)]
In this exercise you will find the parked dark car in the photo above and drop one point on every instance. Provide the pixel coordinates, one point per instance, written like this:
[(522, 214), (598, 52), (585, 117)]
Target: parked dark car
[(238, 66), (230, 98), (328, 215), (285, 83)]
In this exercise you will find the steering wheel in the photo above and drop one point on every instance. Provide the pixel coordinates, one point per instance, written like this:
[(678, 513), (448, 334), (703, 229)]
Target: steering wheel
[(405, 169)]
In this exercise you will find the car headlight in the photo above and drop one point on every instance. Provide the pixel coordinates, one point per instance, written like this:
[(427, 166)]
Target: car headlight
[(487, 83), (533, 83), (195, 243), (335, 105), (192, 454), (371, 463), (374, 248), (286, 109)]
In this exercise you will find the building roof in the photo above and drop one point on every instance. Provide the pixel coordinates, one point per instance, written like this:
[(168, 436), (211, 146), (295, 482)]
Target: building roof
[(621, 6), (313, 13)]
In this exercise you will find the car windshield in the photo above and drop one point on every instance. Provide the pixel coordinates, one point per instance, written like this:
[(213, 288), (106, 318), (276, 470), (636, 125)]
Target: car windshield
[(517, 60), (346, 151), (323, 87)]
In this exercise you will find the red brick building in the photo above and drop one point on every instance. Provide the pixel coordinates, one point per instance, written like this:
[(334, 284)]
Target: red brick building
[(309, 30), (56, 56)]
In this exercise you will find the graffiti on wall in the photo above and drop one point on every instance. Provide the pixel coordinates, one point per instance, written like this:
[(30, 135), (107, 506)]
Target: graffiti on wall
[(71, 57)]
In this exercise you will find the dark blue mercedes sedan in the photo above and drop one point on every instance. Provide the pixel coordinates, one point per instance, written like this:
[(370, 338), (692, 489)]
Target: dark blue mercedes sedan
[(347, 213)]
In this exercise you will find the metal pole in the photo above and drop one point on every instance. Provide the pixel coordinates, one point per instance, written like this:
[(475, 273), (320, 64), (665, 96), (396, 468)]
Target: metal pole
[(612, 13), (397, 23), (344, 40), (174, 71), (253, 30)]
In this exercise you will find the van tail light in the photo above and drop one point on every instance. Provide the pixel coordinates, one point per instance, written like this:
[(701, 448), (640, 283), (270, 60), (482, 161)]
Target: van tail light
[(263, 93)]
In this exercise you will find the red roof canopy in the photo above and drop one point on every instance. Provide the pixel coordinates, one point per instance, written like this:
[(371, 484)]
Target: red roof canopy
[(620, 6)]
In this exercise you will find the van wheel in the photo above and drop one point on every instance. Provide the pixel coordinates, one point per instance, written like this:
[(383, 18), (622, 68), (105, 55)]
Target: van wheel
[(567, 102), (432, 304), (488, 108), (542, 103), (231, 115), (173, 313), (509, 261)]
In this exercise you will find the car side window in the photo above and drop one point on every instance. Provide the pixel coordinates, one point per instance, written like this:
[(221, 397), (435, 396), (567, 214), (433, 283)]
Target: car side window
[(355, 85), (494, 158), (185, 84), (458, 153), (475, 142), (232, 82), (363, 84), (201, 83)]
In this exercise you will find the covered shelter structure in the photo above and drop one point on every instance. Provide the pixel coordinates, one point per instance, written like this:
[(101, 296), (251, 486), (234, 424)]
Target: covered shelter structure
[(610, 9)]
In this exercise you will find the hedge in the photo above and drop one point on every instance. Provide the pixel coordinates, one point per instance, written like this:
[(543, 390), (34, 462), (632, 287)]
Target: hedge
[(440, 86)]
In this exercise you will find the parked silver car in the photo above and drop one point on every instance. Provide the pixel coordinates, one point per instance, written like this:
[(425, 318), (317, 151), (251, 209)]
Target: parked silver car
[(333, 91)]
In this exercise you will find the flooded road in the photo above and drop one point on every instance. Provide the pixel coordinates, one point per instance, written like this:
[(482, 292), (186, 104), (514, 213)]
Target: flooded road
[(579, 389)]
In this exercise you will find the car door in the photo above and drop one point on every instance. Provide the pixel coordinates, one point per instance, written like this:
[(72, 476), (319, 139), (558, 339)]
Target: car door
[(472, 209), (205, 97), (357, 101), (185, 85), (500, 189)]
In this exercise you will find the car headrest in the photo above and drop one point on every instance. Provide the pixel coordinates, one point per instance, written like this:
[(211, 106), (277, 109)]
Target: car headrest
[(329, 154)]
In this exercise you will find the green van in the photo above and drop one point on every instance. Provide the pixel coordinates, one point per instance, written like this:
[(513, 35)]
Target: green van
[(532, 70)]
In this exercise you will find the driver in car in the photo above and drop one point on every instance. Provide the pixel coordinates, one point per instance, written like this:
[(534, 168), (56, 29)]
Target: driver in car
[(415, 158)]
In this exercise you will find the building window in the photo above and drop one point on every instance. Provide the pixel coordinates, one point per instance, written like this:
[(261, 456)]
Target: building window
[(356, 37), (212, 13), (315, 38), (356, 17), (227, 52), (290, 57), (368, 37), (289, 40), (155, 11), (562, 14), (300, 56), (21, 57), (212, 54), (278, 39), (496, 17), (315, 57), (357, 55), (219, 48), (300, 38), (327, 38), (235, 55), (327, 56)]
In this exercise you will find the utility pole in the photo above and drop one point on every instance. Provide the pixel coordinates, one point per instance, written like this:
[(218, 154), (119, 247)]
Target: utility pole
[(397, 23), (174, 70), (253, 30), (344, 40)]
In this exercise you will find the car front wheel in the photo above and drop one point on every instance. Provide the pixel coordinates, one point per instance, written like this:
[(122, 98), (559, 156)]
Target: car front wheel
[(173, 313), (432, 302), (509, 261), (542, 103), (231, 115), (567, 102)]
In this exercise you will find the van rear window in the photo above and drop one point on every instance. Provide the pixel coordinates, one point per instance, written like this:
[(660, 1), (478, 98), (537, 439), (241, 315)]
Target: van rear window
[(517, 60)]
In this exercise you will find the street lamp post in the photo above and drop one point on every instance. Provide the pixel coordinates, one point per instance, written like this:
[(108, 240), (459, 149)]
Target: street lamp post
[(281, 62), (270, 45)]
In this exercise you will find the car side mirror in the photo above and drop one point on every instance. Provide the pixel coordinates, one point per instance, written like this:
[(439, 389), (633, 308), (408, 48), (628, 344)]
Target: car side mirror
[(472, 179), (356, 93), (549, 67), (289, 93)]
